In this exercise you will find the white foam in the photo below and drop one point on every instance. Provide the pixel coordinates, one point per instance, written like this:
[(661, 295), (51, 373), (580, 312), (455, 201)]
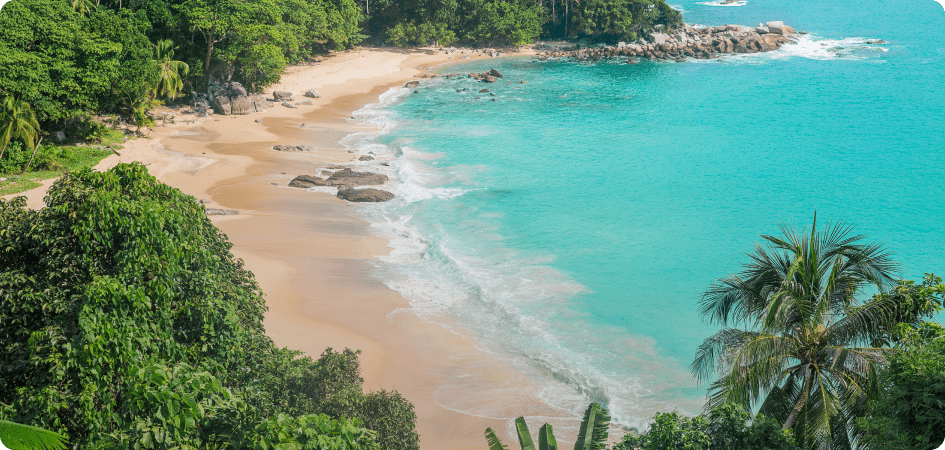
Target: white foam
[(723, 3), (517, 306), (807, 46)]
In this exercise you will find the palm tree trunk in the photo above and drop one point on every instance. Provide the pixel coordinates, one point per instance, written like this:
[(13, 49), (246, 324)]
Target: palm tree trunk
[(31, 156), (3, 149), (800, 402)]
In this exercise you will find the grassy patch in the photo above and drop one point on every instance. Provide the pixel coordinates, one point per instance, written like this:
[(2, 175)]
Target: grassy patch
[(55, 160)]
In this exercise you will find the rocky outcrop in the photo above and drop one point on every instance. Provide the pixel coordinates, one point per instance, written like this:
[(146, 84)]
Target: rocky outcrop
[(365, 195), (306, 181), (686, 42), (293, 148), (227, 98), (350, 178)]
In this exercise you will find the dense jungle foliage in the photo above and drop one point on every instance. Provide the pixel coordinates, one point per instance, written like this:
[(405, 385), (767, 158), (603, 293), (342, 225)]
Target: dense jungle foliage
[(127, 323)]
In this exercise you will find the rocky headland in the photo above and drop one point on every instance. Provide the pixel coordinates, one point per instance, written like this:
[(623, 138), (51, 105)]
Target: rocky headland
[(683, 42)]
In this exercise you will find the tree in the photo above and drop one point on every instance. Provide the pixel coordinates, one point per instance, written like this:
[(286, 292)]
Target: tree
[(727, 426), (911, 412), (17, 120), (805, 359), (83, 6), (591, 436), (170, 72)]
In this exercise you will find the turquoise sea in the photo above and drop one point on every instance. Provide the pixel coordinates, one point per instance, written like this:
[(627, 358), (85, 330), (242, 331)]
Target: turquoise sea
[(571, 223)]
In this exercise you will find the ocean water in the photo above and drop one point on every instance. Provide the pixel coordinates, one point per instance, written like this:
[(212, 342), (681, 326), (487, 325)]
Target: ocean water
[(570, 223)]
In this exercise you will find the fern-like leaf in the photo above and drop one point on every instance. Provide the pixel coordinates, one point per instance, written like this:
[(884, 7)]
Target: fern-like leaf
[(17, 436)]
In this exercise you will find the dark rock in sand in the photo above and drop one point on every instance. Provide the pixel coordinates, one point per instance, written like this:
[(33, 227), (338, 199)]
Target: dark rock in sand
[(282, 96), (348, 177), (304, 102), (366, 158), (364, 195), (293, 148), (306, 181), (288, 105), (411, 84)]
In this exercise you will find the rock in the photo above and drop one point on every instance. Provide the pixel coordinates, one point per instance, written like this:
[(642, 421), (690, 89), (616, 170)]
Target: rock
[(489, 79), (304, 102), (306, 181), (495, 73), (681, 37), (621, 44), (222, 212), (657, 38), (774, 41), (242, 106), (366, 158), (282, 96), (336, 167), (59, 136), (762, 30), (365, 195), (288, 105), (776, 23), (411, 84), (483, 91), (350, 178), (258, 121), (222, 105), (312, 93), (293, 148)]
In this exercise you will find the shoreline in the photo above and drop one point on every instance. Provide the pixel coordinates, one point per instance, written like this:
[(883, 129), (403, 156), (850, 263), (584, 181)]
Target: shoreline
[(311, 252)]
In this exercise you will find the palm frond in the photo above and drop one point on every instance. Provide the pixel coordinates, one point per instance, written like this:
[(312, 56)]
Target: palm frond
[(524, 436), (18, 436), (594, 428), (494, 442)]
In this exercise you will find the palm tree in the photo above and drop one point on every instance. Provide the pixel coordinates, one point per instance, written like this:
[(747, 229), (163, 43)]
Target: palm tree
[(19, 436), (83, 6), (17, 120), (805, 358), (170, 81)]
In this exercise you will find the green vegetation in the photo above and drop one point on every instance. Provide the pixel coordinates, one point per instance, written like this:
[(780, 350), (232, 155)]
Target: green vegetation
[(127, 323), (18, 436), (727, 426), (592, 435), (50, 162), (806, 358)]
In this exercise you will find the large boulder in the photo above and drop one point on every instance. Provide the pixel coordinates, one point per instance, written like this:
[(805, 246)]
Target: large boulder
[(221, 105), (776, 23), (411, 84), (312, 93), (773, 40), (242, 106), (350, 178), (657, 38), (365, 195), (495, 73), (282, 96), (306, 181)]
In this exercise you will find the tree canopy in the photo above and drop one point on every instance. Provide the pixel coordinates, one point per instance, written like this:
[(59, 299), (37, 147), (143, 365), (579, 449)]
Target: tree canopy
[(127, 322)]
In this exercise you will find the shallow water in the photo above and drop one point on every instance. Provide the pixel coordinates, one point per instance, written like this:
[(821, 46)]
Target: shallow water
[(571, 223)]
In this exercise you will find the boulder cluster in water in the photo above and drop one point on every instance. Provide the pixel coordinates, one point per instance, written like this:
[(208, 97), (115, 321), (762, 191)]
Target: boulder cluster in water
[(346, 180), (686, 42)]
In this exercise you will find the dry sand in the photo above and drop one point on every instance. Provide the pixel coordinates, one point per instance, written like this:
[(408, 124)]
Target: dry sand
[(312, 252)]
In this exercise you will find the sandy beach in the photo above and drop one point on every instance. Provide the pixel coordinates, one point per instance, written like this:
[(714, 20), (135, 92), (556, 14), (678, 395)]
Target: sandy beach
[(312, 252)]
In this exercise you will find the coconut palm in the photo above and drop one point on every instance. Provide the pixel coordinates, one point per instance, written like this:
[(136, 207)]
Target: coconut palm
[(83, 6), (18, 436), (804, 358), (17, 120), (170, 76)]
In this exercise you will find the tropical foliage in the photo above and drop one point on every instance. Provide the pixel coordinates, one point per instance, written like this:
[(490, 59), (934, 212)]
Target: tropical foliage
[(18, 436), (127, 323), (592, 435), (17, 121), (805, 358), (170, 79), (727, 426)]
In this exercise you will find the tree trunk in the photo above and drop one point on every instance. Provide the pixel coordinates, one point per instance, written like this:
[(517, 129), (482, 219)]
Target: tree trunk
[(800, 402), (31, 156), (213, 29), (3, 149)]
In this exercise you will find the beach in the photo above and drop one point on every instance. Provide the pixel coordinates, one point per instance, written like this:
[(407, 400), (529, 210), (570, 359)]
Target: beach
[(310, 251)]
